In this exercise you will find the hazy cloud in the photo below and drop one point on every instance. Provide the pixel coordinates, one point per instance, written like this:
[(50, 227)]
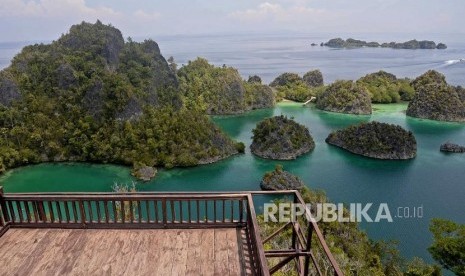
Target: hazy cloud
[(55, 9), (276, 12), (47, 19)]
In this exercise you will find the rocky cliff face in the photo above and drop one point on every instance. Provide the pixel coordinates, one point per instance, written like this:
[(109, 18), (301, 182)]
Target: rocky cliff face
[(259, 96), (281, 138), (376, 140), (345, 97), (436, 100), (8, 90), (103, 40)]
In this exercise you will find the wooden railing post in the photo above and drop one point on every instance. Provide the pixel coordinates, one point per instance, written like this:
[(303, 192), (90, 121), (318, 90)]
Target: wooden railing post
[(83, 213), (4, 210), (164, 212), (294, 232)]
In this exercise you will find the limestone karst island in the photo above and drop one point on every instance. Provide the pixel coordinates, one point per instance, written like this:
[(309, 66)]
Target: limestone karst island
[(232, 138)]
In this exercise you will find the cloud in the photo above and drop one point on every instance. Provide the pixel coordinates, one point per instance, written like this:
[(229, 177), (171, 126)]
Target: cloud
[(146, 16), (296, 12), (47, 19), (54, 9)]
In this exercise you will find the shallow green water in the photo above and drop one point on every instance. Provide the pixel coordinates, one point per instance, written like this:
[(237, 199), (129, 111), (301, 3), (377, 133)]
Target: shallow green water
[(433, 180)]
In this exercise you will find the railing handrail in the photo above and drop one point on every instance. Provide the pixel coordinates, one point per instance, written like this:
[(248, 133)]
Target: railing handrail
[(242, 196), (121, 196), (320, 237), (226, 193), (258, 240)]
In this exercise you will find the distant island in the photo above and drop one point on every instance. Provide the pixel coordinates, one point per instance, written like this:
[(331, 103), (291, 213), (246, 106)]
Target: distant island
[(376, 140), (280, 138), (411, 44)]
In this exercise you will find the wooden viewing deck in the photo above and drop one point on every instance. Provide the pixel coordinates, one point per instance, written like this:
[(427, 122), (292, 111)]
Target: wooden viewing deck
[(151, 234), (123, 252)]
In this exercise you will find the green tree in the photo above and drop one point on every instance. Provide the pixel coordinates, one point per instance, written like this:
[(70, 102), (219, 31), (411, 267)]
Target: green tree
[(448, 246)]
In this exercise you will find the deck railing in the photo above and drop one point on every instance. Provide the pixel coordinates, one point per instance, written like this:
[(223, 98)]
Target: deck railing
[(172, 211)]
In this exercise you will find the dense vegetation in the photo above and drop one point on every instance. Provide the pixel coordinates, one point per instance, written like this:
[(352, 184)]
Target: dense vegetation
[(436, 100), (281, 138), (411, 44), (300, 89), (448, 247), (258, 96), (220, 90), (345, 97), (355, 253), (89, 96), (386, 88), (280, 179), (376, 140)]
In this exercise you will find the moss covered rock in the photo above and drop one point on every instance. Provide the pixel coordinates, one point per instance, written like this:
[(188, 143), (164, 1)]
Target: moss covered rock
[(281, 138), (376, 140), (345, 97)]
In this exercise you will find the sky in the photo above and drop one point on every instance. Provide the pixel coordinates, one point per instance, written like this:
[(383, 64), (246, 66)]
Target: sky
[(28, 20)]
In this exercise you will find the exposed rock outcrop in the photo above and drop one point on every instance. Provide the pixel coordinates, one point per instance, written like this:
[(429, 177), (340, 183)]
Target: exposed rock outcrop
[(376, 140), (8, 90), (281, 138), (104, 40), (144, 173), (345, 97), (279, 179), (454, 148)]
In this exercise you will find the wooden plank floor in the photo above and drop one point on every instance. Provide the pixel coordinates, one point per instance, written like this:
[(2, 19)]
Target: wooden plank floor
[(123, 252)]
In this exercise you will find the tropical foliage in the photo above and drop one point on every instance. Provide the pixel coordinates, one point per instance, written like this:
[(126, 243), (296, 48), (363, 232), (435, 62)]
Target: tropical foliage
[(386, 88), (89, 96)]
